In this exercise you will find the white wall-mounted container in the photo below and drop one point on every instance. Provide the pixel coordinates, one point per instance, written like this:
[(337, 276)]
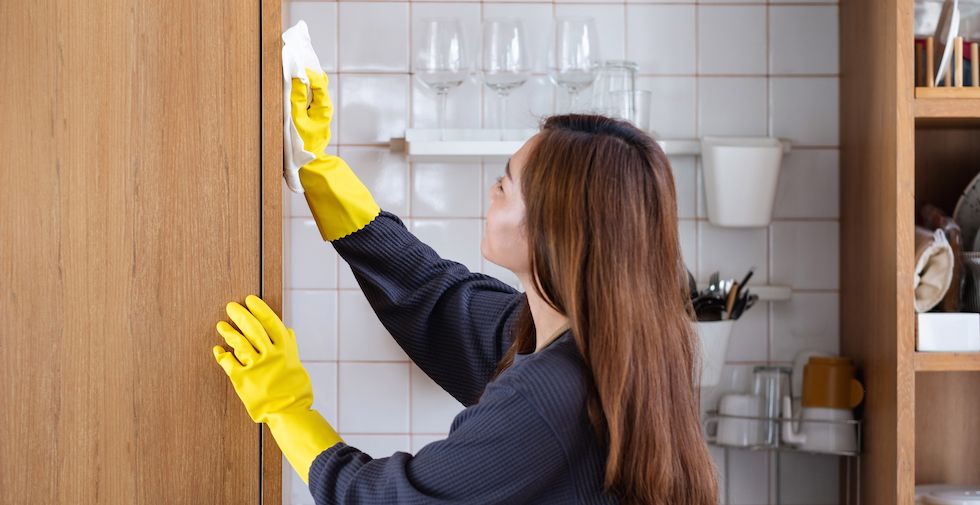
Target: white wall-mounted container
[(740, 178), (714, 337)]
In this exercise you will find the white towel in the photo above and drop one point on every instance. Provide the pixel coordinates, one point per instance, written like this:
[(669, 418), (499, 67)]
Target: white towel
[(297, 56), (933, 268)]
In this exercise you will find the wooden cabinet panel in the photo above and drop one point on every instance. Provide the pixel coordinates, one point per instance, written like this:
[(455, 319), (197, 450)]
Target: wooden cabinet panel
[(134, 202)]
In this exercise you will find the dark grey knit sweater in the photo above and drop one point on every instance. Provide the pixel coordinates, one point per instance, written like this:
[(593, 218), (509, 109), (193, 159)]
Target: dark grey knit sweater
[(523, 438)]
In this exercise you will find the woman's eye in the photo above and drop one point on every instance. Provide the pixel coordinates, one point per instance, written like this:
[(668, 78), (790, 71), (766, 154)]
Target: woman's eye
[(499, 184)]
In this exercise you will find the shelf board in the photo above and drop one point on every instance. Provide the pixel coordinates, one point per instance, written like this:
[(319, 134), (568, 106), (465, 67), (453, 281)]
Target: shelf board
[(947, 109), (490, 144), (947, 361), (947, 92)]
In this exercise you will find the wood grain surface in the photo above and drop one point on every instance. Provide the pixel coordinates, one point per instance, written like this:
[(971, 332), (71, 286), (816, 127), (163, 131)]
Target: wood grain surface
[(877, 199), (946, 435), (271, 210), (131, 211)]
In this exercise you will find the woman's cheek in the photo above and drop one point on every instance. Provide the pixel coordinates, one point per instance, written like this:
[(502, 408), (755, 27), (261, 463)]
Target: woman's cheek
[(488, 244), (513, 240)]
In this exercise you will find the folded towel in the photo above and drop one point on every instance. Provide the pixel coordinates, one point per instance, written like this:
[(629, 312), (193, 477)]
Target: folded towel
[(933, 268), (935, 218)]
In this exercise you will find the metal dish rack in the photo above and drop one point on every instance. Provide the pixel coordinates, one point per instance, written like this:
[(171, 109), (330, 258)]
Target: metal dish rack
[(852, 459)]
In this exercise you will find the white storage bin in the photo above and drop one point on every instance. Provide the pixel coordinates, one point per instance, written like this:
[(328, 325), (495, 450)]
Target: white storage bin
[(714, 336), (740, 177), (948, 332)]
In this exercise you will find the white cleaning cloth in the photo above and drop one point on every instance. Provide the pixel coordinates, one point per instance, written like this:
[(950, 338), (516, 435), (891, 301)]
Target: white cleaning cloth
[(933, 268), (297, 56)]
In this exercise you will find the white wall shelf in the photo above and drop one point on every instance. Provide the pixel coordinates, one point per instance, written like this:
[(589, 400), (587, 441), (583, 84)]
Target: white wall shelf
[(492, 144)]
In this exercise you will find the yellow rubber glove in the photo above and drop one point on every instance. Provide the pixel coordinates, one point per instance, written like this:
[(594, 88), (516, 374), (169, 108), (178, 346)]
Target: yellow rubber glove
[(270, 380), (340, 202)]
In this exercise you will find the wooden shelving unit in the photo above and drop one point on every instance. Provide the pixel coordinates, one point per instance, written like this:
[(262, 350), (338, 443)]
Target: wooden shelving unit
[(898, 152)]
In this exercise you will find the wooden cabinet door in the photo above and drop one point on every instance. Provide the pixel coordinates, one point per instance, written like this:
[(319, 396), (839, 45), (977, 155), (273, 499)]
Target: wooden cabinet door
[(139, 192)]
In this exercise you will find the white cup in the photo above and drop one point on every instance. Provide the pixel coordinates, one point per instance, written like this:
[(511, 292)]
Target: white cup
[(820, 429), (733, 429), (828, 430)]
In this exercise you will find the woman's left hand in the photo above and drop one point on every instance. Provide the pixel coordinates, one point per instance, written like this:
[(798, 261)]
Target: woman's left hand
[(265, 369), (264, 365)]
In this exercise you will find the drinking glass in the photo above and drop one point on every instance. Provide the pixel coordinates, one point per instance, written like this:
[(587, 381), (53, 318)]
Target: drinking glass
[(505, 64), (574, 51), (441, 63), (771, 384)]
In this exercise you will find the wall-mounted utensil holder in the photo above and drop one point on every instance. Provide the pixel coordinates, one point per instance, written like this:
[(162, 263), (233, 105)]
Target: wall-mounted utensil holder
[(714, 337), (740, 179)]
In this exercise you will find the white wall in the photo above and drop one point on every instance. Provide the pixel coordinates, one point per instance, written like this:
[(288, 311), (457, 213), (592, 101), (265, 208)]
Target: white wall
[(714, 68)]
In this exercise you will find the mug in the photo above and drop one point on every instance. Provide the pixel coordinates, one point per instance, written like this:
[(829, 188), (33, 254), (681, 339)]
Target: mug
[(828, 382), (734, 426)]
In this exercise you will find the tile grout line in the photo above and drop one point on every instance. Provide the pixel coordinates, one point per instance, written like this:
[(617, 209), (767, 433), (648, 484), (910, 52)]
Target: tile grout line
[(769, 263), (410, 181), (337, 400)]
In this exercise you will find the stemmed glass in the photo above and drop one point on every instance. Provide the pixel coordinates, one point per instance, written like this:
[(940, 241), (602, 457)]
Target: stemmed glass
[(505, 64), (573, 55), (441, 63)]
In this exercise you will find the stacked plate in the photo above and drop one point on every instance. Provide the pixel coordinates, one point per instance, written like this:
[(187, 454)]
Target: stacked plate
[(947, 495), (967, 216)]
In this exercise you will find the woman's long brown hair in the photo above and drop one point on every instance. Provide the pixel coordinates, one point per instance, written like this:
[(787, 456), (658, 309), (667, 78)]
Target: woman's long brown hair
[(601, 224)]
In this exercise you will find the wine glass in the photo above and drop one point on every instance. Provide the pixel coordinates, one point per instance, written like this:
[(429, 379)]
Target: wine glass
[(441, 63), (505, 65), (573, 55)]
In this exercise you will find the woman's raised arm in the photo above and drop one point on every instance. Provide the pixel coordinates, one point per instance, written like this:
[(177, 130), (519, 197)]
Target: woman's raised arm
[(453, 323), (450, 321)]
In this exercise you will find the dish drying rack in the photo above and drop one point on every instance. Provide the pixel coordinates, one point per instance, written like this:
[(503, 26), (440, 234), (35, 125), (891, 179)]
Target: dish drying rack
[(851, 486)]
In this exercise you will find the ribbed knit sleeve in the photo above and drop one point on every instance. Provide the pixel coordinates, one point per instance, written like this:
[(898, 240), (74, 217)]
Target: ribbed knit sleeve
[(499, 451), (453, 323)]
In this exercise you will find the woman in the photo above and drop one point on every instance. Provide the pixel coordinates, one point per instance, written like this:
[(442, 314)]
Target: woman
[(580, 390)]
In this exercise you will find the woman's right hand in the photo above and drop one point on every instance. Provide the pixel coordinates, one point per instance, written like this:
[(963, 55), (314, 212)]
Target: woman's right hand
[(339, 201)]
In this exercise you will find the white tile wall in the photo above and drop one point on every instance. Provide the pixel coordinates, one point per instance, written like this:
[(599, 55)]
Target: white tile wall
[(803, 30), (732, 39), (727, 67), (732, 106), (362, 49), (662, 38)]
